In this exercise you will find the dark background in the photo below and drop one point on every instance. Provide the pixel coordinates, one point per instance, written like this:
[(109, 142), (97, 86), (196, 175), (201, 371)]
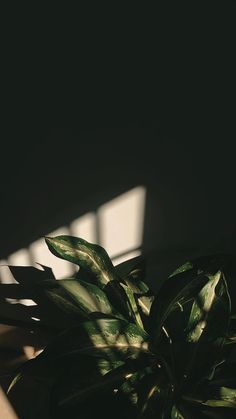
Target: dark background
[(94, 106)]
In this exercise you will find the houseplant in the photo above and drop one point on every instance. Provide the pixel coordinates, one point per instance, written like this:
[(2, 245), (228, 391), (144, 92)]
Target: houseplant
[(122, 351)]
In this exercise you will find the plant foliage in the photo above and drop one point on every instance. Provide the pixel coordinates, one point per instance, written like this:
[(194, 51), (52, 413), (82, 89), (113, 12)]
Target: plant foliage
[(119, 350)]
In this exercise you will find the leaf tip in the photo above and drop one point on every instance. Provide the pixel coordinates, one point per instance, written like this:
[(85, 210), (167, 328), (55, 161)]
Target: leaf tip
[(48, 240)]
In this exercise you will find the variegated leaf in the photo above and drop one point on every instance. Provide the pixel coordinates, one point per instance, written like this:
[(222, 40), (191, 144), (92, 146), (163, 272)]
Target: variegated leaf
[(187, 266), (145, 303), (91, 257), (142, 293), (176, 414), (175, 292), (210, 310), (101, 340), (88, 297), (215, 397), (98, 337), (131, 297), (114, 333)]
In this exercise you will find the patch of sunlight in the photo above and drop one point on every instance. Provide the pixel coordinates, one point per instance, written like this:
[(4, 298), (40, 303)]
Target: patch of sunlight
[(85, 227), (19, 258), (5, 274), (7, 411), (41, 254), (121, 222)]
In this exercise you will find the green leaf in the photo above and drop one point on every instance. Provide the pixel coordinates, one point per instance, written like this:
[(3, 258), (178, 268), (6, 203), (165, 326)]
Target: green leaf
[(91, 257), (230, 340), (136, 315), (132, 272), (176, 414), (174, 293), (210, 311), (118, 299), (216, 397), (143, 294), (13, 383), (92, 391), (133, 268), (63, 301), (95, 260), (145, 303), (227, 398), (208, 264), (86, 276), (154, 396), (129, 386), (216, 413), (105, 365), (183, 268), (87, 297), (103, 384), (138, 287), (224, 375), (111, 339), (112, 334), (208, 321)]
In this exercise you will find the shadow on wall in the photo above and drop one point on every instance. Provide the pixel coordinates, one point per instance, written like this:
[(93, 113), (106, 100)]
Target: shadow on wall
[(167, 215), (117, 225)]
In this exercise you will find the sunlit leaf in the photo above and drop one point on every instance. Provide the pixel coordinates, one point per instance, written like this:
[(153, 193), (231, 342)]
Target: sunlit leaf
[(183, 268), (154, 396), (112, 339), (178, 369), (174, 293), (136, 315), (138, 287), (91, 257), (210, 310), (176, 414), (86, 296), (143, 294), (215, 397), (111, 333)]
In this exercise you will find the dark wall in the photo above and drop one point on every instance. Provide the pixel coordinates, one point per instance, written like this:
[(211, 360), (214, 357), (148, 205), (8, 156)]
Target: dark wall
[(156, 110), (190, 185)]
